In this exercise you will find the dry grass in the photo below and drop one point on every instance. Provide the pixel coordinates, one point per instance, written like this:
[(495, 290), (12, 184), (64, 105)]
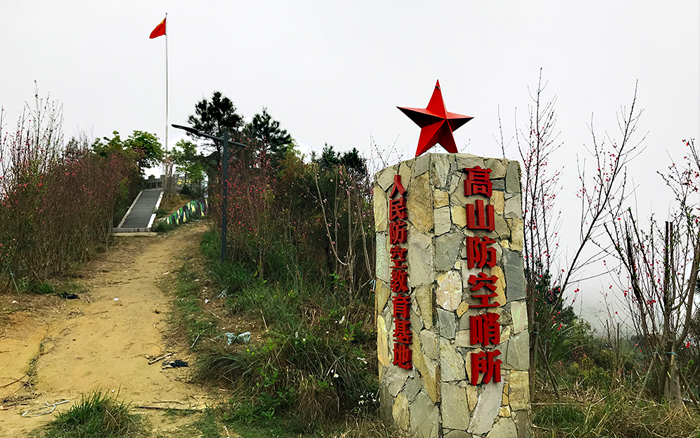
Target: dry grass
[(367, 427), (174, 203), (616, 414)]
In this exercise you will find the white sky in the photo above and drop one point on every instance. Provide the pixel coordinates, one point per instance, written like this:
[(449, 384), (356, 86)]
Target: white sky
[(334, 72)]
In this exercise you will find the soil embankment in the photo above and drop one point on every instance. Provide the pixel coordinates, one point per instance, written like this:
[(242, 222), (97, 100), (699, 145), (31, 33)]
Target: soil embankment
[(102, 341)]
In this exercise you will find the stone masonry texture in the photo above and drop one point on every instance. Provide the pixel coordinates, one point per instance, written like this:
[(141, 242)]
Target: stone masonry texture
[(436, 398)]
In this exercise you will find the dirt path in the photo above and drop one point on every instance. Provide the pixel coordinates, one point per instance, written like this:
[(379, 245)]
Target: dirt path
[(101, 341)]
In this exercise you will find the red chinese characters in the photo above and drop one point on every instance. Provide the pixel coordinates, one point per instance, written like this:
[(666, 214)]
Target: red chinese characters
[(486, 363), (480, 217), (477, 182), (397, 213), (484, 329), (483, 281), (401, 299), (479, 254)]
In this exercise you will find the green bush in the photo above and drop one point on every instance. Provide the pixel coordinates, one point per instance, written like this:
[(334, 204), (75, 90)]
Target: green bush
[(231, 276), (321, 378), (307, 285), (562, 416), (43, 288), (311, 368), (160, 212), (97, 415), (211, 245), (162, 227), (277, 306)]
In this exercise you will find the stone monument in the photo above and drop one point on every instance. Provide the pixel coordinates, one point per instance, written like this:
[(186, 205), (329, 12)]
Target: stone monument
[(452, 338)]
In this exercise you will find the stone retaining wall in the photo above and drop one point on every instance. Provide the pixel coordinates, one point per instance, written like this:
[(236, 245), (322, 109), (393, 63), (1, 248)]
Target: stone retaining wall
[(435, 398)]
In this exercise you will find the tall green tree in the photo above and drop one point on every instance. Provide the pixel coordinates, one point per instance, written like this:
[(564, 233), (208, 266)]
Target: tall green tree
[(212, 117), (187, 159), (350, 159), (104, 146), (142, 147), (270, 138), (148, 148)]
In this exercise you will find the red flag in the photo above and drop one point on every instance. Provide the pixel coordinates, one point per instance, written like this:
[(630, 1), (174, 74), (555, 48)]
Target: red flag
[(159, 30)]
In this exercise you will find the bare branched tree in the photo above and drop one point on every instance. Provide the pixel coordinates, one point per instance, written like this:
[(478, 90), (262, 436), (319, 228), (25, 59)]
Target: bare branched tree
[(346, 212), (662, 271), (603, 202), (540, 219), (540, 188), (601, 195)]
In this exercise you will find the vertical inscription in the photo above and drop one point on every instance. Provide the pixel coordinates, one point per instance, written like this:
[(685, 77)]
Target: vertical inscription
[(484, 329), (401, 299)]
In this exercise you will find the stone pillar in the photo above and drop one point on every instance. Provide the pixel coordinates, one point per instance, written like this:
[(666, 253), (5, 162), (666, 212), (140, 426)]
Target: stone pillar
[(436, 396)]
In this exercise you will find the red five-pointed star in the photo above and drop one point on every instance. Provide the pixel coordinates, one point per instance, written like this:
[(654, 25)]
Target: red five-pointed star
[(437, 124)]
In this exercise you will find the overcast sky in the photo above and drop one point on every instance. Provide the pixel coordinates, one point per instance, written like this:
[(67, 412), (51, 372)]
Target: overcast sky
[(335, 71)]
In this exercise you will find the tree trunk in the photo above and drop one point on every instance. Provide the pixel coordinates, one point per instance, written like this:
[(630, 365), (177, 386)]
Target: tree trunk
[(534, 341), (672, 383)]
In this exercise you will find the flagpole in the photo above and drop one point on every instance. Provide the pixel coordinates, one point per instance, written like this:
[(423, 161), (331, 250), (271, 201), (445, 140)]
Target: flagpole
[(166, 83), (168, 174)]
